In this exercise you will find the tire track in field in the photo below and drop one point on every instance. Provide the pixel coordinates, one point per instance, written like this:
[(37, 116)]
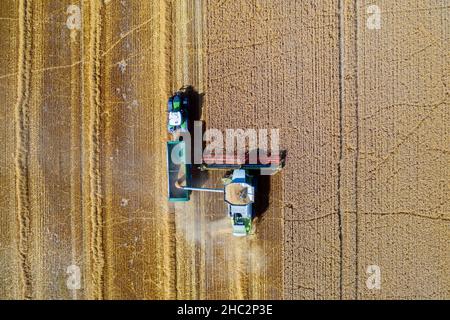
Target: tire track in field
[(23, 144), (164, 71), (9, 257), (96, 245)]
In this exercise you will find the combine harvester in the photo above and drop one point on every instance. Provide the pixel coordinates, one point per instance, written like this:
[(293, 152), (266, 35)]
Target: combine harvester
[(239, 183)]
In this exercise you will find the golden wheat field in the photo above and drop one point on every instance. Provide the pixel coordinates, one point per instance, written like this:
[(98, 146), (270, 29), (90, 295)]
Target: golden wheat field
[(362, 110)]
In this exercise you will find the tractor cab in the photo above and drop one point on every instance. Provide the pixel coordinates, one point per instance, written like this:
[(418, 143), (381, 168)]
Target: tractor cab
[(175, 118)]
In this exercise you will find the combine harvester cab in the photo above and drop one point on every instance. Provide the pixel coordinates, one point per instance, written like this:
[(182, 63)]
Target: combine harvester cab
[(178, 169)]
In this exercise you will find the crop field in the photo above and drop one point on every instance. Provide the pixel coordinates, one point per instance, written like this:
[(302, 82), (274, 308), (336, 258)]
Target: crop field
[(358, 92)]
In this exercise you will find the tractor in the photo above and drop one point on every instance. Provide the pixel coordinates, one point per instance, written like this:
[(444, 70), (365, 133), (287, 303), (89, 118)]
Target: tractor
[(177, 106)]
